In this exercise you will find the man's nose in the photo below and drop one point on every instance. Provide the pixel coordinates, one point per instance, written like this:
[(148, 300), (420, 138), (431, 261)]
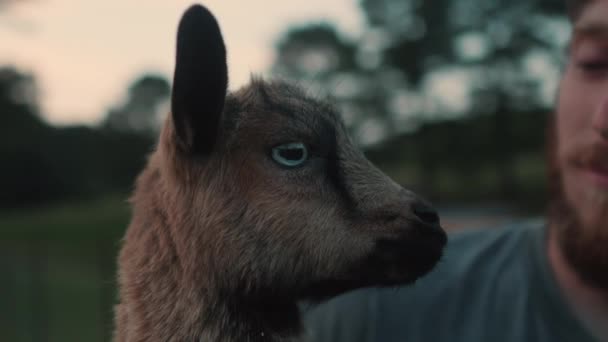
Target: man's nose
[(600, 118)]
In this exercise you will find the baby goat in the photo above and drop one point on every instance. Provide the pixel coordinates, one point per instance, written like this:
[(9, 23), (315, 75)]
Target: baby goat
[(252, 201)]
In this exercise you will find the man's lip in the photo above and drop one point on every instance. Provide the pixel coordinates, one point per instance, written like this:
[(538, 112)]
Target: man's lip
[(596, 174)]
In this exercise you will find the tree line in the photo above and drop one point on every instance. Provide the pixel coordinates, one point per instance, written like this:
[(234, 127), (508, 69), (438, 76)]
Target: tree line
[(43, 163), (479, 137)]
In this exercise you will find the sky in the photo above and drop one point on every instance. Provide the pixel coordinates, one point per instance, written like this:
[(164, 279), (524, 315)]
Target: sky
[(85, 53)]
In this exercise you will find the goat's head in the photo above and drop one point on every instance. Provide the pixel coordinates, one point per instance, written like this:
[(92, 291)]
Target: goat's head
[(275, 199)]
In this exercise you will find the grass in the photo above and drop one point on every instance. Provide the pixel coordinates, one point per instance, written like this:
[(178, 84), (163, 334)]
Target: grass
[(58, 269)]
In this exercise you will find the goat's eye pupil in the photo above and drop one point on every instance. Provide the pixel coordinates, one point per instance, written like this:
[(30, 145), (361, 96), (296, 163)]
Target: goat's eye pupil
[(290, 155)]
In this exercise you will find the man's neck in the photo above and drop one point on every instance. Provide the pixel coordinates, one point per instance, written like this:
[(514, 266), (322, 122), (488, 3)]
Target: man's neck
[(589, 304)]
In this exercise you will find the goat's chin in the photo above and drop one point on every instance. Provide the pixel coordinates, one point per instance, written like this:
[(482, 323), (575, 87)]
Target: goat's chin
[(386, 276), (403, 260), (395, 261)]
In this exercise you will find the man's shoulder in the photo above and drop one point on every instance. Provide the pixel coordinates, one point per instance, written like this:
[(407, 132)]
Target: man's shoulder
[(477, 260), (489, 246), (512, 233), (476, 264)]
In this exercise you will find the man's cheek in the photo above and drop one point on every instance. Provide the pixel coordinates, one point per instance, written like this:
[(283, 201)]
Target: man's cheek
[(589, 203), (573, 190)]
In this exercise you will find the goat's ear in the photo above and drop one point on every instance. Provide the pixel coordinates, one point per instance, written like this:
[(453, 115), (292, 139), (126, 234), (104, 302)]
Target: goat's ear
[(200, 80)]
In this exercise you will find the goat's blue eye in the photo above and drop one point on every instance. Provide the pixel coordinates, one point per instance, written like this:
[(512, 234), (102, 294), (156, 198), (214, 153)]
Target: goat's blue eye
[(291, 154)]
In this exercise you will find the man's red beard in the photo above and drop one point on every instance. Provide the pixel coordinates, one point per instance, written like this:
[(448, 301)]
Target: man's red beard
[(584, 248)]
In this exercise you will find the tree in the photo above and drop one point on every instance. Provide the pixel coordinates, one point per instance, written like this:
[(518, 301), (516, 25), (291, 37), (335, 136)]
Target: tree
[(6, 3), (407, 44), (505, 54), (42, 163), (142, 109), (25, 176), (320, 58)]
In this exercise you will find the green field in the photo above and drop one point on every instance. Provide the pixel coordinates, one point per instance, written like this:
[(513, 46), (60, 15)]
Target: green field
[(58, 268)]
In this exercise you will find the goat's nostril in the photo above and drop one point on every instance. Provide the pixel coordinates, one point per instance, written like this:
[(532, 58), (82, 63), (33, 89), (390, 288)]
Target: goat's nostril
[(425, 213), (392, 217)]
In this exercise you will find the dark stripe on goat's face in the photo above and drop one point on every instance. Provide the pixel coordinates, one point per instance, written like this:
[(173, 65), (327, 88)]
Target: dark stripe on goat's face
[(316, 123), (337, 177), (322, 123)]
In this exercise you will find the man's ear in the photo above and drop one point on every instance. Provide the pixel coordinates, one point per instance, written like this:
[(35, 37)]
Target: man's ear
[(200, 81)]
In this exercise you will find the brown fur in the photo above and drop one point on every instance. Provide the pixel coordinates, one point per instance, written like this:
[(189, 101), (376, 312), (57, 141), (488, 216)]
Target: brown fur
[(223, 243)]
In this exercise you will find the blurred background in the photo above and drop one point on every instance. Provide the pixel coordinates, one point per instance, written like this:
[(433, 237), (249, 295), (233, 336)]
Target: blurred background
[(450, 97)]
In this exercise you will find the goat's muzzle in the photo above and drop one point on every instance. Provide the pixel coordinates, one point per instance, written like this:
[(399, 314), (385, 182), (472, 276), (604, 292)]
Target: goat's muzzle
[(412, 248)]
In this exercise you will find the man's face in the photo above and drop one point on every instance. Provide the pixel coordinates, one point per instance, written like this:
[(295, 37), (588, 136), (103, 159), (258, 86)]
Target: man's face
[(581, 154)]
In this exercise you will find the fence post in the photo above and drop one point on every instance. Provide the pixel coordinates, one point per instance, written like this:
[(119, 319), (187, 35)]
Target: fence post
[(39, 296), (105, 262)]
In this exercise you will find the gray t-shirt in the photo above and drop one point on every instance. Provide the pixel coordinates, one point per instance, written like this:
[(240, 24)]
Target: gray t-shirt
[(492, 285)]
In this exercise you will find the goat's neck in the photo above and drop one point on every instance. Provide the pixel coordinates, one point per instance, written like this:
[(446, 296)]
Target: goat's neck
[(237, 320), (194, 312), (231, 316), (227, 317), (169, 307)]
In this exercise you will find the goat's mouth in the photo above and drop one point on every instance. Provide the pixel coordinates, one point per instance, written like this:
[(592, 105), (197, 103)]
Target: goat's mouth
[(393, 261), (407, 257)]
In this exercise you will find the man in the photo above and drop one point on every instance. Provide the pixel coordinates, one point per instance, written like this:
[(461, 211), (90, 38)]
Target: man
[(539, 281)]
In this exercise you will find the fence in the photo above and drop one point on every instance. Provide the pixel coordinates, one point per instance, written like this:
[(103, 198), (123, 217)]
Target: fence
[(57, 290)]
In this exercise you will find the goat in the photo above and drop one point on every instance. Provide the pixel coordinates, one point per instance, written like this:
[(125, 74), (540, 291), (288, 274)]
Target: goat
[(252, 201)]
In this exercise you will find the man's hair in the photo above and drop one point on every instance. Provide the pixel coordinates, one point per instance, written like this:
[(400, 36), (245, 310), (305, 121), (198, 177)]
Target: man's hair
[(575, 7)]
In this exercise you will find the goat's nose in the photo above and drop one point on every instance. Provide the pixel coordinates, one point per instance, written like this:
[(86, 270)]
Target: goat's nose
[(426, 213)]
